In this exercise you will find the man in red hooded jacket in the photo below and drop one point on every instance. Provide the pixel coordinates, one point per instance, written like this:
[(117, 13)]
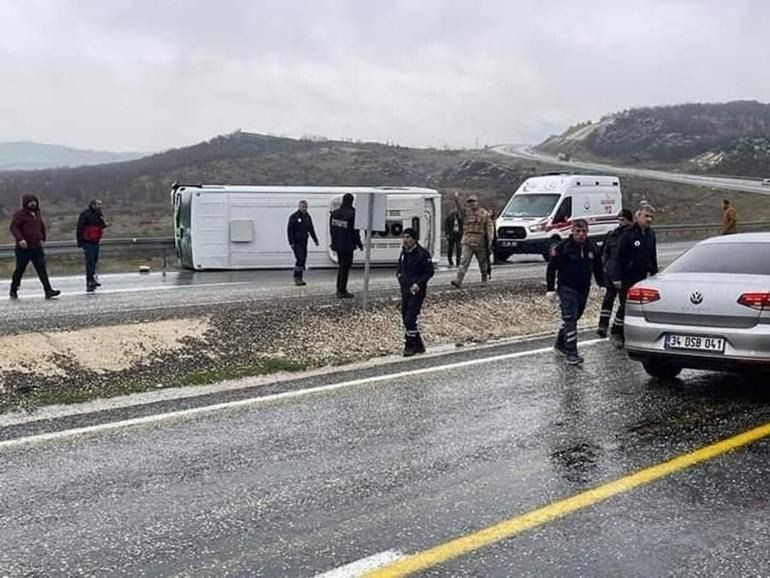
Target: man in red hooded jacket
[(28, 229)]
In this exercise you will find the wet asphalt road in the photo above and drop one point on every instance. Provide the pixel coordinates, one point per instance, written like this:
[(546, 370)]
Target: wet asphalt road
[(299, 486), (123, 295)]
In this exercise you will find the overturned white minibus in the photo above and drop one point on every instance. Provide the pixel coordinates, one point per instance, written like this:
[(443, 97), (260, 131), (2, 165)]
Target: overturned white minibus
[(244, 227)]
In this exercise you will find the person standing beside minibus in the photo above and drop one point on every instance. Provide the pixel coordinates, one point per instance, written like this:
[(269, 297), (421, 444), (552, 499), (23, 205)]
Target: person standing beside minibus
[(299, 229), (345, 240)]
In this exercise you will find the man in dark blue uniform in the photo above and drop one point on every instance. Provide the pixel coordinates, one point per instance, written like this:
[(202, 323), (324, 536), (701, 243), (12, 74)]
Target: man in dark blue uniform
[(345, 240), (635, 259), (299, 229), (415, 268), (573, 260), (608, 249)]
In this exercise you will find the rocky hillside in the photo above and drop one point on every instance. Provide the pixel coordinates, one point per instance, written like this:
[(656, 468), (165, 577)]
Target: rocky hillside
[(728, 138)]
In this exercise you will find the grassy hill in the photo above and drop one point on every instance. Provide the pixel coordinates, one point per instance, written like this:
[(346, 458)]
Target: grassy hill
[(726, 138), (136, 193)]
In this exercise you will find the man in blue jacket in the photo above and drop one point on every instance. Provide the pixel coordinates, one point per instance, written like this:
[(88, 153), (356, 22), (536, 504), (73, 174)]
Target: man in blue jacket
[(415, 268), (574, 260)]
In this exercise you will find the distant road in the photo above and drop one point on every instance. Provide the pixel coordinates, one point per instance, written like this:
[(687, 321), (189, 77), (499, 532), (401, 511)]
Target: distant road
[(733, 184)]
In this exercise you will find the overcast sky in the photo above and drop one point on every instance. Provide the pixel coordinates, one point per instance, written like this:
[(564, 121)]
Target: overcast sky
[(147, 75)]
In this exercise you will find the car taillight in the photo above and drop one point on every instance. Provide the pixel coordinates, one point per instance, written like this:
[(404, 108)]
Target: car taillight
[(642, 295), (755, 300)]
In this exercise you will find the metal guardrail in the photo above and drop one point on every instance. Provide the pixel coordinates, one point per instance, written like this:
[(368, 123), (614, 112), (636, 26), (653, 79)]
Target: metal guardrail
[(707, 226), (145, 244), (166, 244)]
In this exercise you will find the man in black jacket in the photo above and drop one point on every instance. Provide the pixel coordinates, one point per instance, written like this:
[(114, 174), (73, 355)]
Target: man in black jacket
[(300, 227), (90, 227), (636, 258), (345, 240), (453, 231), (415, 268), (574, 260), (608, 249)]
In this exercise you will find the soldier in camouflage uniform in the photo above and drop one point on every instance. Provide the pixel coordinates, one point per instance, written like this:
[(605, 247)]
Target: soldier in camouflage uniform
[(478, 232)]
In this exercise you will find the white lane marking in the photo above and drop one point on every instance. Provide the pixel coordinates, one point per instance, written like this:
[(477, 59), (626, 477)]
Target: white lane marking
[(182, 413), (361, 567), (75, 293)]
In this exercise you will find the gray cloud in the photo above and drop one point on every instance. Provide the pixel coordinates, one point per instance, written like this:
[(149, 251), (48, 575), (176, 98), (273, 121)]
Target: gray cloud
[(146, 75)]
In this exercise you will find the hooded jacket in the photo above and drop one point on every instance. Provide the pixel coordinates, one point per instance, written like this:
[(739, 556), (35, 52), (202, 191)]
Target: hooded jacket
[(27, 225), (90, 226), (345, 237)]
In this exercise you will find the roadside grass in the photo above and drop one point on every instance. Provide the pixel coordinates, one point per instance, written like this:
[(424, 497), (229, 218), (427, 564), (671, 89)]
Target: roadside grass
[(31, 395)]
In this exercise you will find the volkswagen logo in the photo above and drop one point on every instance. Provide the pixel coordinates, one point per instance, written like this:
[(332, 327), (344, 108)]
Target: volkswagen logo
[(696, 298)]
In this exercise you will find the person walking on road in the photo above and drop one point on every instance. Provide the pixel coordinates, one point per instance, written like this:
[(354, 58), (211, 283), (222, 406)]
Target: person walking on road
[(28, 228), (415, 268), (453, 231), (572, 261), (299, 229), (608, 248), (345, 240), (729, 218), (478, 231), (635, 259), (90, 227)]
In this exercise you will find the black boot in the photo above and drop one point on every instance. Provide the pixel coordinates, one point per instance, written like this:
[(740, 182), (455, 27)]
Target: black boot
[(410, 345), (14, 294), (419, 345)]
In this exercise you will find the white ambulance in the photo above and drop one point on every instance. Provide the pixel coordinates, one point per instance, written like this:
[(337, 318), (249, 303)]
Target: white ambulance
[(541, 211)]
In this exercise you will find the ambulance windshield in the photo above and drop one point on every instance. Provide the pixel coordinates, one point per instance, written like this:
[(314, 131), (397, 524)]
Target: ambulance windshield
[(531, 205)]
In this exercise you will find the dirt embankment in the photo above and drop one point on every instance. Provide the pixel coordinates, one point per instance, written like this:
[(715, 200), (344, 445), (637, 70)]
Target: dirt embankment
[(255, 338)]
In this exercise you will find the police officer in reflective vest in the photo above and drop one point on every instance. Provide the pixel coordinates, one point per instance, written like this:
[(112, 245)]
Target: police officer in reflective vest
[(573, 260), (300, 227), (415, 268), (636, 258)]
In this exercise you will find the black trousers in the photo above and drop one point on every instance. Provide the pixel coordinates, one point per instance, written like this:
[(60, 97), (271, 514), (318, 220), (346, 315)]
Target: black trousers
[(618, 326), (411, 305), (91, 254), (300, 259), (23, 258), (454, 247), (345, 261), (572, 303), (610, 294)]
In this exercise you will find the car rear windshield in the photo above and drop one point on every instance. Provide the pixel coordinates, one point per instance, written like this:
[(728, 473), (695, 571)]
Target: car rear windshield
[(732, 258), (531, 205)]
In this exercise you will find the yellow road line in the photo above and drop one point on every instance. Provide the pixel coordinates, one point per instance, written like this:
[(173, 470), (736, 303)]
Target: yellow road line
[(518, 524)]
